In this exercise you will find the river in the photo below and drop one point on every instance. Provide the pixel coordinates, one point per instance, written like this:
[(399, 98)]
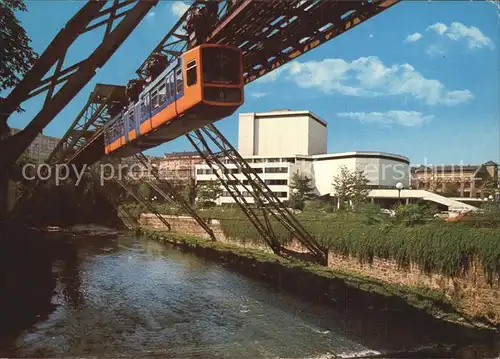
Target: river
[(134, 297)]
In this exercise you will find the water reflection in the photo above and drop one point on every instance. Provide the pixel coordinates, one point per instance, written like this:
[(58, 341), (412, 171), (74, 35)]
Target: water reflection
[(134, 297)]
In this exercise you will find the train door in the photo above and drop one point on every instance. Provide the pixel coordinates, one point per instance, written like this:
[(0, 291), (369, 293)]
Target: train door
[(136, 110), (131, 126), (170, 93), (125, 128), (179, 87), (145, 117)]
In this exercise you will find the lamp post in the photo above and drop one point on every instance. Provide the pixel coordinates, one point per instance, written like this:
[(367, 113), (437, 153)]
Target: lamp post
[(399, 187)]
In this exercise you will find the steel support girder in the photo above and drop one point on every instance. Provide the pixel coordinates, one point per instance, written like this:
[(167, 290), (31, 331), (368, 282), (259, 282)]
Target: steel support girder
[(78, 78), (274, 32), (262, 226), (270, 205), (123, 183), (172, 197), (92, 118)]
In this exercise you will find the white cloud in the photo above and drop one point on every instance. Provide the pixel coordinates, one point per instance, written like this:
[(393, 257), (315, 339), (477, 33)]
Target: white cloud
[(368, 76), (179, 8), (273, 75), (438, 27), (458, 31), (259, 94), (435, 50), (151, 15), (413, 37), (475, 38), (402, 118)]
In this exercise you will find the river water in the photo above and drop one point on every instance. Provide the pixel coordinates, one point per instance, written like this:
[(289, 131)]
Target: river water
[(130, 296)]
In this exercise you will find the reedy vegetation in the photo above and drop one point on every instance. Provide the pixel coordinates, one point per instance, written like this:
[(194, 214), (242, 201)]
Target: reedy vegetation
[(433, 245)]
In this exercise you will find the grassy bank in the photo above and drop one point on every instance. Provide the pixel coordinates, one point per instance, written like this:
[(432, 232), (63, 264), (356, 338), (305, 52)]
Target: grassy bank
[(321, 282), (435, 246)]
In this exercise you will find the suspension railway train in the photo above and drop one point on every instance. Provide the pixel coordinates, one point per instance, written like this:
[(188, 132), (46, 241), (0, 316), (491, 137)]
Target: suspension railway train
[(203, 86)]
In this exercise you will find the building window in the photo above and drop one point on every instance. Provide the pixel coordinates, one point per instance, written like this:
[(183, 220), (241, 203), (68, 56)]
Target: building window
[(276, 170), (276, 182), (201, 171), (273, 160), (280, 194)]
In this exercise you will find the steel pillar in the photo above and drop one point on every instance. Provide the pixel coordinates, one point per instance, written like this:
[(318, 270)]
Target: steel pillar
[(267, 203), (71, 78), (173, 197)]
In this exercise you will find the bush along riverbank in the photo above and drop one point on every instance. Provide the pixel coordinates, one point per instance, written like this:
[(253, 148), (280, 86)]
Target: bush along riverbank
[(339, 288)]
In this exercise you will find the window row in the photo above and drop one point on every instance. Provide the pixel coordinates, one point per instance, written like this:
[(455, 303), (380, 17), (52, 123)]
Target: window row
[(247, 194), (208, 171)]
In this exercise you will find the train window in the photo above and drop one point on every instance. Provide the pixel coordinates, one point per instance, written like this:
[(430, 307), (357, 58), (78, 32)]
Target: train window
[(131, 124), (172, 86), (191, 77), (221, 66), (143, 109), (178, 80), (162, 94), (154, 100)]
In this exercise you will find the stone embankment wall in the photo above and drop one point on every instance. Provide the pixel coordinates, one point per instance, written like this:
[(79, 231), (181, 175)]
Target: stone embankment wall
[(471, 292)]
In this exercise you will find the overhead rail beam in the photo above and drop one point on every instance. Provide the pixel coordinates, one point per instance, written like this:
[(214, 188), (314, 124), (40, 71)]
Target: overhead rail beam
[(72, 78)]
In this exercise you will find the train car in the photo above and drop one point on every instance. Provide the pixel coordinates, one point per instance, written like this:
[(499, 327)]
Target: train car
[(203, 86)]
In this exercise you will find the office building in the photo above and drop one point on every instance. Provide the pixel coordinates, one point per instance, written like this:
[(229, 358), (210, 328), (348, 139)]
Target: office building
[(280, 143)]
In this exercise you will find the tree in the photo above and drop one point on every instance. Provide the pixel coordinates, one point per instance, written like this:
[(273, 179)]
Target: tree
[(300, 190), (16, 54), (489, 187), (145, 190), (351, 187), (209, 193), (451, 190), (189, 192)]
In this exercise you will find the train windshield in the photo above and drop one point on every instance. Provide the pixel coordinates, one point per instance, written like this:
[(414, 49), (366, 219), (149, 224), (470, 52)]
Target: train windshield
[(221, 66)]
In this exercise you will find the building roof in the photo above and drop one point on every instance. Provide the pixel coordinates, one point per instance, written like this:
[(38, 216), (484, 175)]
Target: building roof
[(361, 154), (341, 155), (288, 112), (184, 153), (490, 163)]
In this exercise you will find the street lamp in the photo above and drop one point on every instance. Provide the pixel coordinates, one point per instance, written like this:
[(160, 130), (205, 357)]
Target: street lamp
[(399, 187)]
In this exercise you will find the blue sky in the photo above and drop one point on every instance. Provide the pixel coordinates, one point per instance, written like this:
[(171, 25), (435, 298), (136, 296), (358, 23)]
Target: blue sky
[(420, 79)]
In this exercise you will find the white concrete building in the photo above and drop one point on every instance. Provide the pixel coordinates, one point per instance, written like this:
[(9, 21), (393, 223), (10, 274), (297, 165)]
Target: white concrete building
[(278, 144)]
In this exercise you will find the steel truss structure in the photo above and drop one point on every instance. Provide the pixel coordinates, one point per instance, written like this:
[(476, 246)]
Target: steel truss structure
[(123, 213), (88, 122), (171, 195), (267, 204), (122, 182), (120, 18), (270, 33), (273, 32)]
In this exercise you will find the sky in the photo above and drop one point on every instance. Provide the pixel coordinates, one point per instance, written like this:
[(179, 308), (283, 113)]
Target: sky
[(421, 79)]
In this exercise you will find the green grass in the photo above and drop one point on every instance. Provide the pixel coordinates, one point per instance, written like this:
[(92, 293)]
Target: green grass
[(435, 247), (429, 300)]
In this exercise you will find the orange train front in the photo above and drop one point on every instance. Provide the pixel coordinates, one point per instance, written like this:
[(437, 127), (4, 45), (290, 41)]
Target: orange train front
[(203, 86)]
